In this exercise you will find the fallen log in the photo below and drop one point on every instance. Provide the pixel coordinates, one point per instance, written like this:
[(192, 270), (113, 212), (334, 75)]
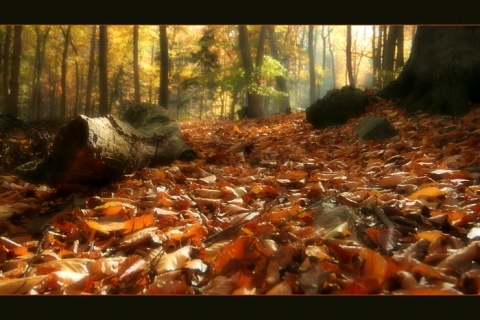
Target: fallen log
[(94, 151)]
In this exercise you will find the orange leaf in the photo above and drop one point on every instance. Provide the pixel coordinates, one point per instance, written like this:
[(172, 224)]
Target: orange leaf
[(427, 192), (139, 223), (374, 266), (429, 235)]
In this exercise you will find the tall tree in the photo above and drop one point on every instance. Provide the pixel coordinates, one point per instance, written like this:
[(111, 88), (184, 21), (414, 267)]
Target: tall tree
[(442, 72), (76, 104), (311, 65), (351, 78), (254, 109), (330, 49), (103, 69), (35, 101), (136, 71), (399, 60), (12, 106), (389, 54), (281, 81), (63, 81), (90, 72), (163, 99), (5, 65)]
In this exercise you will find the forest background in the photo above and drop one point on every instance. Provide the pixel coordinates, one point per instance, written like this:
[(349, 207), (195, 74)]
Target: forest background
[(198, 71)]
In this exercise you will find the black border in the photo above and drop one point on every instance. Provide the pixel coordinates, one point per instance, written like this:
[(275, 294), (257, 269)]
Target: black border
[(238, 12)]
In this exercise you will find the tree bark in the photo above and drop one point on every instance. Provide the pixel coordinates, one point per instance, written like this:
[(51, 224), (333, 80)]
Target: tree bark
[(91, 68), (399, 60), (311, 65), (351, 78), (136, 71), (5, 64), (254, 109), (163, 99), (330, 48), (12, 106), (442, 73), (95, 151), (281, 81), (63, 80), (35, 100), (103, 70)]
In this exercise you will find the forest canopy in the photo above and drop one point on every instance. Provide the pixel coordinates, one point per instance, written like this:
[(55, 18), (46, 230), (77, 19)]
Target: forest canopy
[(60, 71)]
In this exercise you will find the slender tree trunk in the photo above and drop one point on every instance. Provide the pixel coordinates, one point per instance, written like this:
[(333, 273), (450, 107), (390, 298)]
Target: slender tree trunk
[(5, 65), (351, 78), (91, 68), (63, 81), (399, 62), (35, 103), (136, 71), (76, 105), (150, 87), (12, 107), (374, 57), (389, 56), (281, 81), (254, 108), (163, 99), (259, 60), (330, 48), (311, 65), (103, 70), (378, 57)]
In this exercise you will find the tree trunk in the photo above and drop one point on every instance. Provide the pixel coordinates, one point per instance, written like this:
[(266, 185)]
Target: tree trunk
[(91, 68), (259, 61), (399, 61), (94, 151), (103, 70), (389, 54), (254, 109), (442, 73), (330, 48), (76, 105), (12, 106), (5, 64), (163, 99), (136, 71), (378, 57), (63, 81), (281, 81), (311, 65), (36, 99), (351, 78)]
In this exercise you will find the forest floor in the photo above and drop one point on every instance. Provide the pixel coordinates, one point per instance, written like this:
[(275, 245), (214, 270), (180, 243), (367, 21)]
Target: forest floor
[(271, 206)]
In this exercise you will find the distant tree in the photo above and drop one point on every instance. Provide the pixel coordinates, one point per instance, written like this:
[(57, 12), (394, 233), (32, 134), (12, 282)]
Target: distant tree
[(254, 109), (63, 82), (163, 98), (351, 78), (90, 73), (12, 106), (311, 65), (103, 70), (208, 62), (36, 97), (281, 80), (136, 71), (399, 60), (4, 67)]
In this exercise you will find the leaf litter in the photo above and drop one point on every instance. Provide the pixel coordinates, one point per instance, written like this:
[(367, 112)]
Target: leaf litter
[(270, 206)]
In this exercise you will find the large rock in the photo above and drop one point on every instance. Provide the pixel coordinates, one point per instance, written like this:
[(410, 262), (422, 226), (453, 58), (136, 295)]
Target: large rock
[(337, 106), (375, 128)]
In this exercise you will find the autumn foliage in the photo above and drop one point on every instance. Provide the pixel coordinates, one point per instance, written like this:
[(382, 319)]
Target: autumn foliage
[(271, 206)]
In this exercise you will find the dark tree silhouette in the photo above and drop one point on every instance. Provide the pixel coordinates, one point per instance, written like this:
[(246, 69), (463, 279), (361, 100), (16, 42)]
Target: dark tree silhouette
[(442, 74)]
